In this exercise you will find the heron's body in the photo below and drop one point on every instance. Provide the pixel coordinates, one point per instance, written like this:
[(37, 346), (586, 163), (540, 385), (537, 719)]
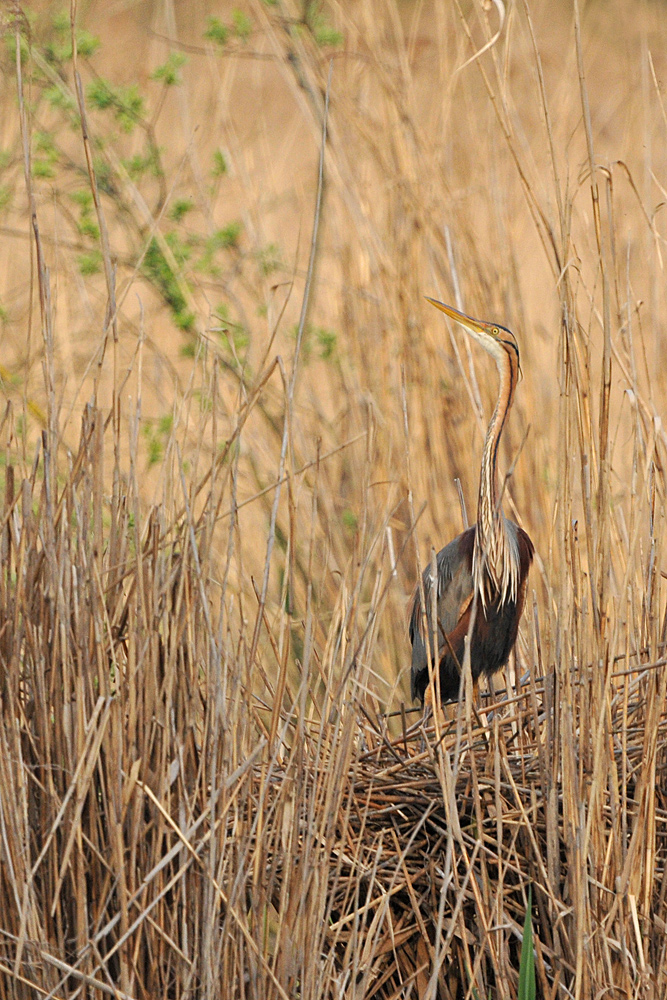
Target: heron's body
[(495, 628), (489, 561)]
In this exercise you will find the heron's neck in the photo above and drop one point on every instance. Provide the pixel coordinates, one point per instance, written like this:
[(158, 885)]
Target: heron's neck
[(491, 536)]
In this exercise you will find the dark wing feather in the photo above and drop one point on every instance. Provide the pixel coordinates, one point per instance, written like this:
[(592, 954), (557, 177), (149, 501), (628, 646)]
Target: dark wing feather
[(495, 629), (454, 572)]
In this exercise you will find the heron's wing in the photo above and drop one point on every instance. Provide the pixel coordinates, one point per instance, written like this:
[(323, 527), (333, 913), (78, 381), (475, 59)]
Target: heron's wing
[(454, 591), (454, 573)]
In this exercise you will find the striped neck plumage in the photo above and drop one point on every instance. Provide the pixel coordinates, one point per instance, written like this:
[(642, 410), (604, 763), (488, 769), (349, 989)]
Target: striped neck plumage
[(495, 554)]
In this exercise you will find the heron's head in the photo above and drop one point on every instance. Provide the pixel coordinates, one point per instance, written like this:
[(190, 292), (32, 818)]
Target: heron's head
[(495, 339)]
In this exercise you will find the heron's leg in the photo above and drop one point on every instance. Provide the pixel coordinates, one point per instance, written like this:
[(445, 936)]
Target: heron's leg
[(480, 711), (477, 710), (428, 705), (430, 709), (426, 714)]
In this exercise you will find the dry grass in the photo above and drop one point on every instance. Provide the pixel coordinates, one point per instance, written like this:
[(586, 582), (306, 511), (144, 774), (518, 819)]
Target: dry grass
[(211, 783)]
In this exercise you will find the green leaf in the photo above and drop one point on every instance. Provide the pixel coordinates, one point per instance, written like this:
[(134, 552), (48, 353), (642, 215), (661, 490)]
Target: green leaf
[(61, 22), (157, 269), (131, 107), (154, 450), (165, 424), (100, 94), (216, 31), (88, 227), (141, 163), (219, 164), (180, 250), (324, 35), (328, 37), (43, 163), (327, 342), (58, 99), (349, 519), (269, 258), (184, 320), (90, 263), (168, 72), (242, 25), (126, 103), (83, 198), (180, 208), (10, 43), (527, 960), (42, 168), (105, 180), (226, 237), (86, 43)]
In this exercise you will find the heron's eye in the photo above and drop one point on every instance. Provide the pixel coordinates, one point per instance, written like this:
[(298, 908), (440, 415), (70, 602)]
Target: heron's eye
[(495, 331)]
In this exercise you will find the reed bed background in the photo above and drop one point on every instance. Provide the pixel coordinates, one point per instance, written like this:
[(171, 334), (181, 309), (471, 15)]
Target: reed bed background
[(228, 450)]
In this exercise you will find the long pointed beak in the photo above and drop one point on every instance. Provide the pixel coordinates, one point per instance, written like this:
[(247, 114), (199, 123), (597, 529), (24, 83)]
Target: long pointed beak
[(476, 325)]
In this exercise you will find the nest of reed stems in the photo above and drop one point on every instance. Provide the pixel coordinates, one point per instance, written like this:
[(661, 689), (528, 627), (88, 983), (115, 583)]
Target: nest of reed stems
[(443, 828)]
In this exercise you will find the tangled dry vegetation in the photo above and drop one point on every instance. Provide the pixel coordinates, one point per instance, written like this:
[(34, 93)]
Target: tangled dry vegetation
[(212, 783)]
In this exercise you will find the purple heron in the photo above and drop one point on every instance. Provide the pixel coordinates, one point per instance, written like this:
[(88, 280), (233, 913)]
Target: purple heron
[(485, 568)]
